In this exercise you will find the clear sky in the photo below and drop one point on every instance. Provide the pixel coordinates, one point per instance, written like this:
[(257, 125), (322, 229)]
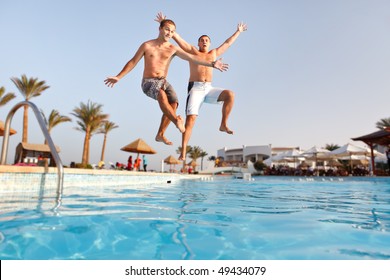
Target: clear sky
[(307, 72)]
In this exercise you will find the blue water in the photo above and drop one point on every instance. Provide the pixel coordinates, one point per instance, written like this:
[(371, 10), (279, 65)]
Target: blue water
[(270, 218)]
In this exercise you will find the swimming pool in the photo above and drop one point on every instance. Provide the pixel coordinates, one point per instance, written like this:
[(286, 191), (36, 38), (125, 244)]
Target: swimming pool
[(269, 218)]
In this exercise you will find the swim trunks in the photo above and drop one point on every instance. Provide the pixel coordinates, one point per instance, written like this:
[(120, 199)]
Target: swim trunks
[(199, 93), (151, 87)]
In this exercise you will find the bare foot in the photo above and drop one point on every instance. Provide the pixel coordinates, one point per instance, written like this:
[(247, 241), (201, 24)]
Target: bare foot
[(163, 139), (226, 129), (181, 157), (180, 124)]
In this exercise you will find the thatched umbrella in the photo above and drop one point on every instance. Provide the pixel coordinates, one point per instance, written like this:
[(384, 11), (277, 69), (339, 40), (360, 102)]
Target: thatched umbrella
[(171, 160), (11, 131), (139, 146), (193, 164), (303, 165), (334, 163), (347, 151)]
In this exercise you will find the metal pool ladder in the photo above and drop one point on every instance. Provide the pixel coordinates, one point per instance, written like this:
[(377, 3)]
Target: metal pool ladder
[(56, 157)]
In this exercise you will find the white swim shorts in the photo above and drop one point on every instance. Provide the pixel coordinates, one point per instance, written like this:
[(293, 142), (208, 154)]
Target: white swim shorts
[(199, 93)]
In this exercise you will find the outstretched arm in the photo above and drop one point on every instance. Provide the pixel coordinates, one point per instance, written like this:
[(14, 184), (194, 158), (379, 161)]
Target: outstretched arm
[(217, 64), (241, 27), (178, 39), (112, 80), (183, 44)]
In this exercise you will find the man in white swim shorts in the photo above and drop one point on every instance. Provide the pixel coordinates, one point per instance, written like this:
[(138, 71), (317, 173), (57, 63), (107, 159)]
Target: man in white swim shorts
[(199, 93), (199, 88), (158, 54)]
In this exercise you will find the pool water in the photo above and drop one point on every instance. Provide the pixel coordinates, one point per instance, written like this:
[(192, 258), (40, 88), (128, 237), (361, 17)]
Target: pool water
[(269, 218)]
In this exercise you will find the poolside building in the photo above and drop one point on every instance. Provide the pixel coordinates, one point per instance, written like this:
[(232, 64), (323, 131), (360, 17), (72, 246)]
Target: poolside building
[(252, 153)]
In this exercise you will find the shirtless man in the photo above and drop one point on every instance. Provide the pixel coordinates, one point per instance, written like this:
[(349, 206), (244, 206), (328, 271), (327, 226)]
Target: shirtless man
[(157, 54), (200, 89)]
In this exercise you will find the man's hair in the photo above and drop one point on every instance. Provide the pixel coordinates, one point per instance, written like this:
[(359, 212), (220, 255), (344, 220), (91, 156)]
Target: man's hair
[(204, 36), (166, 21)]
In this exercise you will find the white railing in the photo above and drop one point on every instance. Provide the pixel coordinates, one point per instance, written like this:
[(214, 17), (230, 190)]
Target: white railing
[(56, 157)]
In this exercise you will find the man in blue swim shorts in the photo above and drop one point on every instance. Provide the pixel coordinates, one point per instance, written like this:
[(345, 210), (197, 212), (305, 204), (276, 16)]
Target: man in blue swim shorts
[(200, 89), (151, 87), (158, 54)]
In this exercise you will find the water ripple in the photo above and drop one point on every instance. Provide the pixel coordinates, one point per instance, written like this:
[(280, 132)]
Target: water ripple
[(220, 219)]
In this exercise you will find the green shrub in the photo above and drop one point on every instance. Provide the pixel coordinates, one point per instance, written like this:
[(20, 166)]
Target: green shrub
[(259, 165)]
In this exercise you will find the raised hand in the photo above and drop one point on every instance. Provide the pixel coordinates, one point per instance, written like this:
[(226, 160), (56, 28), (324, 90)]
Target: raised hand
[(220, 65), (242, 27), (160, 17), (111, 81)]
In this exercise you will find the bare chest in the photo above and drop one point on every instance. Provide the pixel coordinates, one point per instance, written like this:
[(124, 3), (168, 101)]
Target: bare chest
[(159, 54)]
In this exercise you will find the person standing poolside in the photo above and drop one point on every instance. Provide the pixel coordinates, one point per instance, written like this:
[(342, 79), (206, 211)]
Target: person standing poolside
[(130, 163), (144, 162), (137, 164), (200, 89), (157, 54)]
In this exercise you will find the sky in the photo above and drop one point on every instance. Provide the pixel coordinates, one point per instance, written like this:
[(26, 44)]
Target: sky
[(305, 73)]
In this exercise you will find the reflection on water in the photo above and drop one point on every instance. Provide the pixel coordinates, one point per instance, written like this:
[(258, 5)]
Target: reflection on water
[(269, 218)]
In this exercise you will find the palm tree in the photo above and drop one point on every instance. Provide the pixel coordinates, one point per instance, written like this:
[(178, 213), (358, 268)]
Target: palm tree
[(54, 119), (383, 123), (105, 129), (331, 147), (202, 155), (90, 120), (29, 88), (195, 153), (5, 97), (188, 150)]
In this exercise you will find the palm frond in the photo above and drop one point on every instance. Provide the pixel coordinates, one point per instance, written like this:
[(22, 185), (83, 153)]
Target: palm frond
[(5, 97)]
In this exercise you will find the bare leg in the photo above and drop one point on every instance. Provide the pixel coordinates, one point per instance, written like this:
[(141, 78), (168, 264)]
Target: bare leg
[(163, 127), (170, 112), (227, 96), (190, 121)]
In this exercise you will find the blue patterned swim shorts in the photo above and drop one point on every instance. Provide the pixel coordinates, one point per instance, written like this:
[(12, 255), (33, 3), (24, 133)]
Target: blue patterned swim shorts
[(151, 87)]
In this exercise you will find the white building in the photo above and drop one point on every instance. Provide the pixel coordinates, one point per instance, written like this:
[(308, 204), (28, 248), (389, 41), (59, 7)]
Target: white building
[(252, 153)]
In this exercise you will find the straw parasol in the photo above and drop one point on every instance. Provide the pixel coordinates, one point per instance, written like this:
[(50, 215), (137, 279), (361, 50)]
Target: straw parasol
[(359, 161), (171, 160), (193, 163), (11, 131), (303, 165), (138, 146), (334, 163), (349, 150)]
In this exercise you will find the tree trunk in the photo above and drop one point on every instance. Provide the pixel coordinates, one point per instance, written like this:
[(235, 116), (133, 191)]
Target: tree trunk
[(84, 159), (104, 147), (88, 148), (25, 125)]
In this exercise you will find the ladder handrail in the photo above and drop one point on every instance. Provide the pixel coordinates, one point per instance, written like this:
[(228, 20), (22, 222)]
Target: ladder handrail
[(56, 157)]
